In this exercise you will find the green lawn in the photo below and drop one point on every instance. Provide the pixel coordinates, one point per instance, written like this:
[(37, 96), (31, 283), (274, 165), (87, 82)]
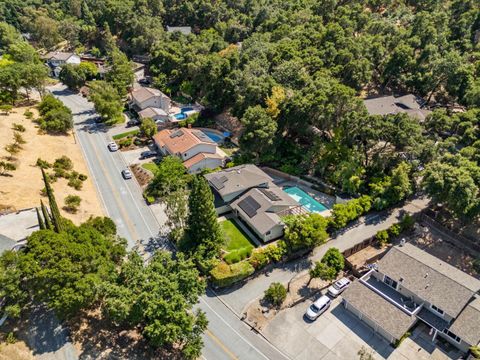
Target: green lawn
[(125, 134), (234, 236), (152, 167)]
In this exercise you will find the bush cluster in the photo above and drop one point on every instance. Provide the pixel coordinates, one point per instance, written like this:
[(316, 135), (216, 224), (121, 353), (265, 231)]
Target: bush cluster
[(261, 257), (224, 275), (54, 116), (276, 294), (342, 214), (126, 142), (238, 255), (63, 168)]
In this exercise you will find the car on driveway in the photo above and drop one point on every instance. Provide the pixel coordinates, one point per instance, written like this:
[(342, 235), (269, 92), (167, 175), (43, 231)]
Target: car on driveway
[(127, 174), (148, 154), (133, 122), (112, 146), (338, 287), (318, 307)]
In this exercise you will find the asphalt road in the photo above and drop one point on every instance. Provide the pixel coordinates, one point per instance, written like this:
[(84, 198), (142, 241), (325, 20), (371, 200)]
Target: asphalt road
[(227, 336)]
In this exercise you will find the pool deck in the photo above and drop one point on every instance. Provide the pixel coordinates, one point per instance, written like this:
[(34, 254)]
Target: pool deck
[(325, 199)]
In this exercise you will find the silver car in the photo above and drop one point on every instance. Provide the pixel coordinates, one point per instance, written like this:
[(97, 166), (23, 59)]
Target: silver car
[(318, 307), (127, 174), (338, 287), (112, 146)]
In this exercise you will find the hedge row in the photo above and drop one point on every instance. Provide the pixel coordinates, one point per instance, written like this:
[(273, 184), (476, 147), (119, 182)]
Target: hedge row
[(224, 275)]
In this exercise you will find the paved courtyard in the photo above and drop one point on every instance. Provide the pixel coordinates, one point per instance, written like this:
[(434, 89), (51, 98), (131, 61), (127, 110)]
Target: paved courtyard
[(338, 335)]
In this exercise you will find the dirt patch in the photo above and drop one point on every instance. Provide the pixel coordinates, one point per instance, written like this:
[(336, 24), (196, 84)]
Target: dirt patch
[(259, 313), (142, 175), (17, 351), (95, 339), (22, 189)]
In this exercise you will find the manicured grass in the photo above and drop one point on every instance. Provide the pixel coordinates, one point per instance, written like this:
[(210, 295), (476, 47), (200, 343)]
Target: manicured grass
[(125, 134), (235, 239), (229, 150), (152, 167)]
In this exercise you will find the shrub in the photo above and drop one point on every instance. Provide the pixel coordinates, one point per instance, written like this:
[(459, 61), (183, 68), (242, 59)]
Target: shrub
[(476, 265), (382, 237), (125, 142), (82, 177), (75, 182), (407, 222), (342, 214), (28, 114), (72, 202), (64, 163), (261, 257), (18, 127), (399, 341), (10, 339), (394, 230), (43, 164), (235, 256), (276, 294), (225, 275), (333, 258), (475, 351), (59, 172)]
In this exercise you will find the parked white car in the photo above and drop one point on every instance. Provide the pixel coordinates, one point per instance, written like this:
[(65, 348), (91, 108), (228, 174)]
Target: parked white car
[(127, 174), (318, 307), (112, 146), (338, 287)]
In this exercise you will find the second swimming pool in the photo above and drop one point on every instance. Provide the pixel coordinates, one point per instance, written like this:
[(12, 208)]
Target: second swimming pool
[(305, 200)]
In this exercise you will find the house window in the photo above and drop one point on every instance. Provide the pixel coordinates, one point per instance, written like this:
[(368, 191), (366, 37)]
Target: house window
[(452, 335), (268, 233), (436, 309), (185, 155), (390, 282)]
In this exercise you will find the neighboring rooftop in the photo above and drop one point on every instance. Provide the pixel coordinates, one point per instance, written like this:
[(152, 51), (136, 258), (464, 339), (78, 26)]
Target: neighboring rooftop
[(142, 94), (186, 30), (202, 156), (262, 205), (388, 316), (467, 325), (385, 105), (181, 140), (429, 277), (59, 55), (150, 112), (238, 178)]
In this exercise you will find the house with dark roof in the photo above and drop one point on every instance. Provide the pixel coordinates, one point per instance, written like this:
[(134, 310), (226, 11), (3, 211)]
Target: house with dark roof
[(389, 105), (410, 285), (56, 59), (254, 199)]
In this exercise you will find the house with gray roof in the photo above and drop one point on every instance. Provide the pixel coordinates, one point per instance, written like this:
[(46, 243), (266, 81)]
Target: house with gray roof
[(389, 105), (410, 285), (251, 195)]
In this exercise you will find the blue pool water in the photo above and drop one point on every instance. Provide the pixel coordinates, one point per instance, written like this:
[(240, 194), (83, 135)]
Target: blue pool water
[(180, 116), (305, 200), (213, 135), (185, 109)]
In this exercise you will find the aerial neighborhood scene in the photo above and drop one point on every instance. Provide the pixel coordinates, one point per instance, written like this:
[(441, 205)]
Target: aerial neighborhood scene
[(239, 180)]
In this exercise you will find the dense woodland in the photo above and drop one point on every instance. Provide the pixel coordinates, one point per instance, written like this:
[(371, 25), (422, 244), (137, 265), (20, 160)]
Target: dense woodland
[(287, 67)]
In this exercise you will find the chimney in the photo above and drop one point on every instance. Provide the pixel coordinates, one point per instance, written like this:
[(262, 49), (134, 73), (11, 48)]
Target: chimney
[(189, 126)]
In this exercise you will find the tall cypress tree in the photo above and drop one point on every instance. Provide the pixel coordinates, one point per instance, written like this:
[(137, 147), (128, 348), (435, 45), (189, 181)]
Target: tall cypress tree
[(56, 218), (46, 216), (41, 224), (203, 234)]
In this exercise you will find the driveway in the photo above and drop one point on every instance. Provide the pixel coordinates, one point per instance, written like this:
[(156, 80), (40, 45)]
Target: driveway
[(337, 335)]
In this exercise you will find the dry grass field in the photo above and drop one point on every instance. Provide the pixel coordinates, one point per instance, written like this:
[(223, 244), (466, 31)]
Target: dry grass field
[(22, 189)]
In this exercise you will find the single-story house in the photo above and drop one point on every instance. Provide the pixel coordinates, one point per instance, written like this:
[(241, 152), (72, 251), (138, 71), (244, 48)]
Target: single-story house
[(389, 105), (193, 146), (410, 285), (251, 195), (157, 114), (145, 97)]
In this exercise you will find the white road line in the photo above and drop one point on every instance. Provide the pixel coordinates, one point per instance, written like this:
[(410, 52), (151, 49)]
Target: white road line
[(235, 331)]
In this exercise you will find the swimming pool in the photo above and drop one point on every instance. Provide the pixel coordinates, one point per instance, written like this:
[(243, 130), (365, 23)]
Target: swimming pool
[(305, 200), (180, 116), (215, 136)]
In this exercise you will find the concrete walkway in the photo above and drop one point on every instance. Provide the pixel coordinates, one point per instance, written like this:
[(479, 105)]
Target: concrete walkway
[(238, 297)]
